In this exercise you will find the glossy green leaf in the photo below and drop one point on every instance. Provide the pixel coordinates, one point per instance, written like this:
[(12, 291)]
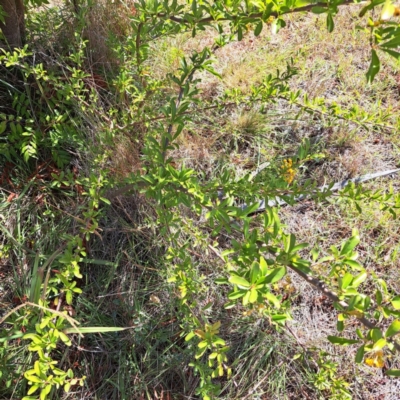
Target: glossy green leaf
[(380, 344), (239, 281), (275, 275), (393, 328), (253, 295), (330, 24), (396, 302), (360, 354), (258, 28), (350, 245), (360, 278), (236, 294), (374, 66), (346, 280)]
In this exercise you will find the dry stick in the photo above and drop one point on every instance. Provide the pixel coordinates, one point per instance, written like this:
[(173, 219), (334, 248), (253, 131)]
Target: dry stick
[(320, 286)]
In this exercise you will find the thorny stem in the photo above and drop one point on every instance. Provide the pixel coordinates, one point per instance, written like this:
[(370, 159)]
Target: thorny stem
[(320, 286), (275, 14)]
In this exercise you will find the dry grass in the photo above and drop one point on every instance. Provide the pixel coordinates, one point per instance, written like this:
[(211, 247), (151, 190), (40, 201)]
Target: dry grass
[(131, 291), (334, 69)]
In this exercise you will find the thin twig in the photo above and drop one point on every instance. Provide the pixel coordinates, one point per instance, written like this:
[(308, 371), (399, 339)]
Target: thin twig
[(233, 18)]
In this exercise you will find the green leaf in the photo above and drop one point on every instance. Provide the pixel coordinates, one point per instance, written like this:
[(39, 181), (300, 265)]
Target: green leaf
[(299, 247), (393, 53), (290, 241), (341, 341), (276, 25), (236, 294), (240, 34), (353, 264), (254, 272), (33, 389), (350, 245), (378, 296), (246, 298), (393, 372), (275, 275), (360, 354), (263, 266), (202, 344), (32, 378), (346, 280), (392, 43), (340, 326), (375, 334), (393, 329), (374, 67), (253, 295), (360, 278), (258, 28), (329, 23), (279, 318), (380, 344), (273, 299), (396, 302), (239, 281)]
